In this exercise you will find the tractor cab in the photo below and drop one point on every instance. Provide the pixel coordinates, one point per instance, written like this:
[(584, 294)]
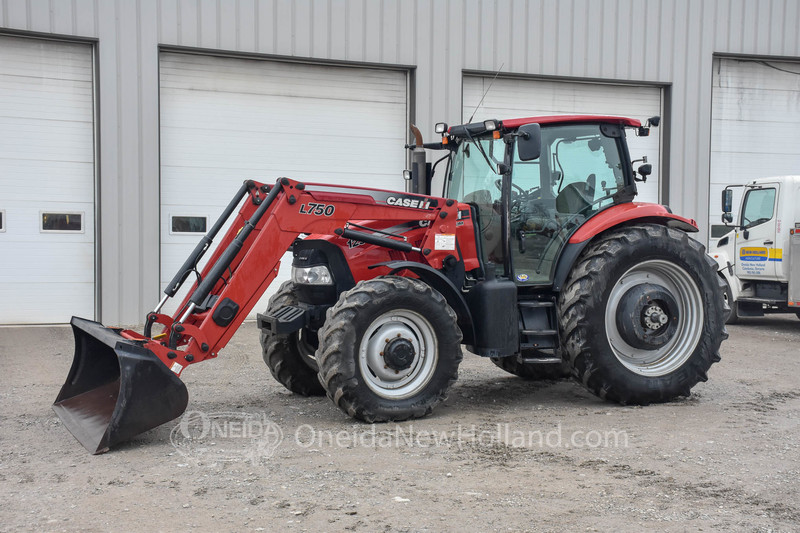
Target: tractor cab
[(532, 182)]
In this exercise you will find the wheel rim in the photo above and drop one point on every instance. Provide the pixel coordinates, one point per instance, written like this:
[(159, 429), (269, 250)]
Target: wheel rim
[(397, 355), (686, 321)]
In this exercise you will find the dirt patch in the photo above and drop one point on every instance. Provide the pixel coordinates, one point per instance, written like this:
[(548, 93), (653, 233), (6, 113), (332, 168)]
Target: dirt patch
[(501, 454)]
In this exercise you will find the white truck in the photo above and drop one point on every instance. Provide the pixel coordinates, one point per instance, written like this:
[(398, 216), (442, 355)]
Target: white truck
[(760, 258)]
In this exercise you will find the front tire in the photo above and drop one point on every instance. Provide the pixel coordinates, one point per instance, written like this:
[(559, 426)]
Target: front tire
[(290, 358), (642, 315), (389, 350)]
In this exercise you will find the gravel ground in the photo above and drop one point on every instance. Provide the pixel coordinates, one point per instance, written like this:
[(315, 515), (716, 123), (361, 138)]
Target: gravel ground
[(501, 454)]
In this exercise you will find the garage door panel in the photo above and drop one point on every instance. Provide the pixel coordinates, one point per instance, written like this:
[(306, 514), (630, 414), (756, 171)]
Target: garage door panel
[(754, 136), (56, 181), (733, 167), (46, 167), (46, 140), (45, 101), (551, 97), (293, 81), (43, 298), (224, 120), (750, 74), (755, 110), (248, 111), (758, 105), (188, 186), (512, 98), (61, 263), (45, 60), (281, 155)]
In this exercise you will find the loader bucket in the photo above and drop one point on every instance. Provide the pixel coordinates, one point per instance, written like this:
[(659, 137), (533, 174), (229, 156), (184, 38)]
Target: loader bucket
[(116, 388)]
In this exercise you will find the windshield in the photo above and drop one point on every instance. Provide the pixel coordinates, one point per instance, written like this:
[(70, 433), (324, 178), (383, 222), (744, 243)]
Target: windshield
[(578, 172), (474, 177), (475, 180)]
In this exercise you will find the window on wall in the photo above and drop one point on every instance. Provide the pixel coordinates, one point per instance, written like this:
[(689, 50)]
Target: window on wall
[(62, 222), (188, 224)]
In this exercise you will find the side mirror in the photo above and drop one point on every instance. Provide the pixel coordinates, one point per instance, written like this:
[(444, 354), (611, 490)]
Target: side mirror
[(529, 142), (644, 171), (727, 218), (727, 202)]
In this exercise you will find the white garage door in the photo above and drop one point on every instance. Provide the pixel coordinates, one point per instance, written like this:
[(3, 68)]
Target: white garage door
[(46, 181), (517, 98), (224, 120), (755, 112)]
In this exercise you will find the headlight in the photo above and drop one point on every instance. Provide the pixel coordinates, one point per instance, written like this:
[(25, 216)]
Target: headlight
[(315, 275)]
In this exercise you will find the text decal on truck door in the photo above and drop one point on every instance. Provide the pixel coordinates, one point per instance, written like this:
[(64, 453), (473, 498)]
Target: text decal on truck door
[(316, 209)]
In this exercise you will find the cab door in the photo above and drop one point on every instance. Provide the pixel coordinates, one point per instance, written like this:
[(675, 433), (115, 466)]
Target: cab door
[(756, 252)]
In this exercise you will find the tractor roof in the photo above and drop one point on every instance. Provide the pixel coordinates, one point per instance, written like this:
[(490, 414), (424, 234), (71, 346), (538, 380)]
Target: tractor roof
[(556, 119), (477, 128)]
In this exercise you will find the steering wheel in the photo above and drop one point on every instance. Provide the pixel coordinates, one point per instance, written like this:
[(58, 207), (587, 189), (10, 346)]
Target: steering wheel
[(499, 184)]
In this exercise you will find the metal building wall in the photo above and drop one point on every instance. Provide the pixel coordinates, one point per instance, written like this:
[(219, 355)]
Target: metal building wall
[(667, 42)]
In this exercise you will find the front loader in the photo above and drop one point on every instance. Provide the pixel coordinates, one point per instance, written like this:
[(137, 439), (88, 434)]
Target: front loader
[(536, 256)]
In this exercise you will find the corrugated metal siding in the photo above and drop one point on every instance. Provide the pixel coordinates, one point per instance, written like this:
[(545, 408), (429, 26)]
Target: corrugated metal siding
[(670, 42)]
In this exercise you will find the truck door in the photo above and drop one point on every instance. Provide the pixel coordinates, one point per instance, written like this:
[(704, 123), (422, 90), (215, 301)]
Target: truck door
[(756, 252)]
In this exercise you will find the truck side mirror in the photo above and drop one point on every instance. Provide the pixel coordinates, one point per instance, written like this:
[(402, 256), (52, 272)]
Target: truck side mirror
[(727, 205), (529, 142)]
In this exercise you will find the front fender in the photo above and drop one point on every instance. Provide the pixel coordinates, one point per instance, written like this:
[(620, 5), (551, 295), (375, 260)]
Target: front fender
[(444, 286)]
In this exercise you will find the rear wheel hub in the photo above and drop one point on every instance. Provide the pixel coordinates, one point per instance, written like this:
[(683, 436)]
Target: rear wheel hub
[(647, 316)]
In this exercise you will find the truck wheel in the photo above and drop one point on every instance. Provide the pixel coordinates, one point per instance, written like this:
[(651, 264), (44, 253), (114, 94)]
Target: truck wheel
[(733, 314), (642, 315), (290, 358), (389, 350), (532, 371)]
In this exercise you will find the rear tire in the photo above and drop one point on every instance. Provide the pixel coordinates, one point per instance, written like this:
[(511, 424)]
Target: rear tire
[(290, 358), (533, 371), (655, 288), (389, 350)]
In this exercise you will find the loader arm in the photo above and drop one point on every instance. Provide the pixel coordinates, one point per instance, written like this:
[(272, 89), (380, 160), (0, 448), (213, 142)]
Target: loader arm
[(123, 383), (237, 275)]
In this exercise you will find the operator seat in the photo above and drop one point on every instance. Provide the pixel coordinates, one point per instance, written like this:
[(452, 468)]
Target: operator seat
[(573, 199)]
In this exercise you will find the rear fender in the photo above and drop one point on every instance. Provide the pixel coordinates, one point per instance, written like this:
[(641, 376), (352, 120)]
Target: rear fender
[(628, 213), (619, 215), (444, 286)]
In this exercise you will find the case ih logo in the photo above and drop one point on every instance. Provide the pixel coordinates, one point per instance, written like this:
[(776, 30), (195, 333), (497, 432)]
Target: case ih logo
[(416, 203)]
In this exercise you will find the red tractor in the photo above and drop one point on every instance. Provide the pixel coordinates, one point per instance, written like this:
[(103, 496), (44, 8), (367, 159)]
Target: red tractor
[(536, 257)]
